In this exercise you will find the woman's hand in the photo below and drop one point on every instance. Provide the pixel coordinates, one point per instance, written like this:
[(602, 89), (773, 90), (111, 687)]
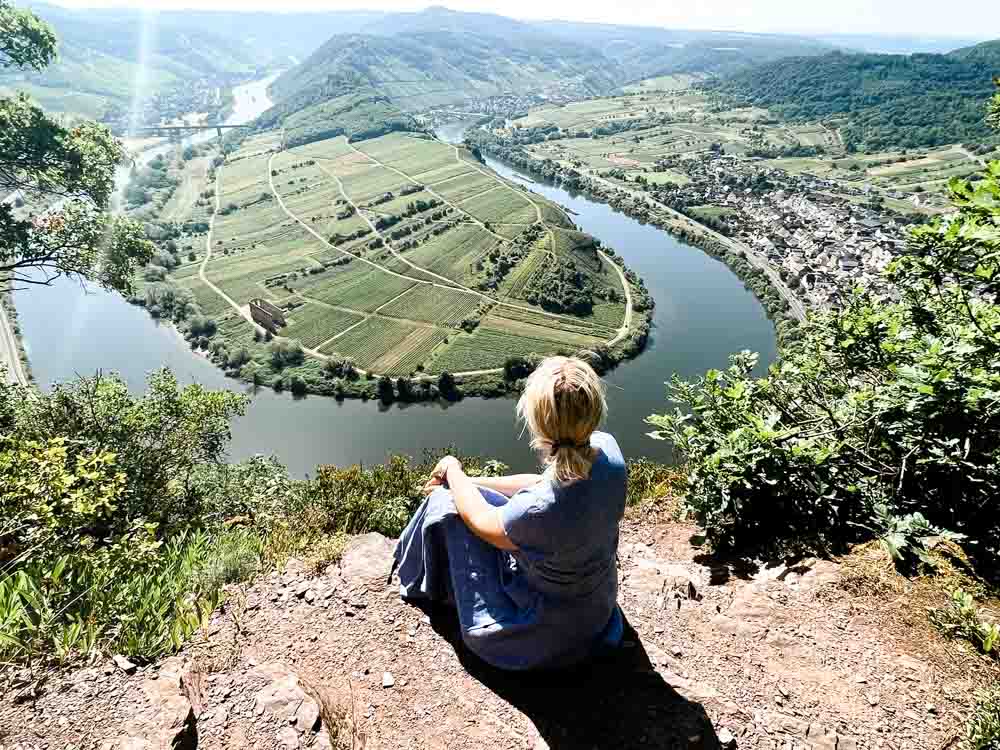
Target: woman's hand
[(439, 475)]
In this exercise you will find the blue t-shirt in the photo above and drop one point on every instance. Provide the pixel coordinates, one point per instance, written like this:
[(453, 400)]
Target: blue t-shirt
[(567, 541)]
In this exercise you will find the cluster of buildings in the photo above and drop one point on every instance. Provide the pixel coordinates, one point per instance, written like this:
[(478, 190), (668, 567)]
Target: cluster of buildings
[(823, 238), (821, 245)]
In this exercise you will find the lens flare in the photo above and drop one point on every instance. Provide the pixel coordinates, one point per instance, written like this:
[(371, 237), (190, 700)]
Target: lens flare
[(148, 29)]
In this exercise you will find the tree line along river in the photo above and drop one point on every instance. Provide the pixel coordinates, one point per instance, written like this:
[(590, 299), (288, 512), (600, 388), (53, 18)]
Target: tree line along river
[(703, 313)]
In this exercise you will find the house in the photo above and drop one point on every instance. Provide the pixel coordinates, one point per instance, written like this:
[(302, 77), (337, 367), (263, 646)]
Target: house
[(267, 315)]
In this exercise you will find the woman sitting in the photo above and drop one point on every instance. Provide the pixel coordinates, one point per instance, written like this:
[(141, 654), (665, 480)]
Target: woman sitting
[(529, 560)]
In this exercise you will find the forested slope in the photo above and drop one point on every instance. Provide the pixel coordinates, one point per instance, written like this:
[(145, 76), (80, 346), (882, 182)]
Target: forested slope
[(105, 55), (889, 100), (645, 51), (440, 57), (429, 68)]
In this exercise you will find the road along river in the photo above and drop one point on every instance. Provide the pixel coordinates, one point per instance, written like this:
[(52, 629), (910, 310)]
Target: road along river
[(703, 312)]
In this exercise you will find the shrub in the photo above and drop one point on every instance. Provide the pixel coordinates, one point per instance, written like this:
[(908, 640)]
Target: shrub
[(982, 732), (340, 368), (648, 480), (97, 491), (446, 384), (297, 385), (385, 392), (165, 259), (156, 440), (516, 367), (380, 499), (285, 353), (201, 325), (238, 358), (962, 619), (404, 387)]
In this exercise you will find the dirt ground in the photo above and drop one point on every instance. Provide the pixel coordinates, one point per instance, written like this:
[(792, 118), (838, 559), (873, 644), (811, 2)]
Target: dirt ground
[(804, 654)]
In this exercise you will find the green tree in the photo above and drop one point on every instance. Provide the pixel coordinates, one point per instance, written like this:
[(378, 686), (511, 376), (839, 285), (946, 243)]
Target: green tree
[(385, 392), (285, 353), (446, 384), (404, 387), (68, 169)]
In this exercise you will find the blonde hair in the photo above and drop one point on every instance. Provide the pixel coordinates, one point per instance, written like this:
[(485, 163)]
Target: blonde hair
[(562, 404)]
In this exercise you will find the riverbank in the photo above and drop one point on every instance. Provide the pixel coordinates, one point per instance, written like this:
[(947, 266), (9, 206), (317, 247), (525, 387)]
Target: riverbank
[(782, 307), (12, 351)]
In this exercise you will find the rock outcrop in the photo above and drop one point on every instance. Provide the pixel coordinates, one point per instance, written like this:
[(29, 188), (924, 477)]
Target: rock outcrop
[(772, 657)]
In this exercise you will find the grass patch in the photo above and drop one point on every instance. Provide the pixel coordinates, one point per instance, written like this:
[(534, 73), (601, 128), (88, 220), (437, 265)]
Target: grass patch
[(962, 618)]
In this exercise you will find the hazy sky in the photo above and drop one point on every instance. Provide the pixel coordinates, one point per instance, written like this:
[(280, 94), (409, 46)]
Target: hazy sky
[(972, 18)]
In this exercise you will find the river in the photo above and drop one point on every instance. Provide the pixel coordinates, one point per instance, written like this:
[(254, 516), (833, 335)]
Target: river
[(703, 312)]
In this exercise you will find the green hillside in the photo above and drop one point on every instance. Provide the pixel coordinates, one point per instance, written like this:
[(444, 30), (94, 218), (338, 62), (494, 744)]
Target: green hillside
[(357, 115), (100, 52), (433, 68), (888, 100), (441, 57), (987, 53), (645, 51)]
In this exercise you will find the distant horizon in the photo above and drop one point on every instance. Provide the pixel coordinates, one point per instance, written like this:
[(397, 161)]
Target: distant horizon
[(867, 17)]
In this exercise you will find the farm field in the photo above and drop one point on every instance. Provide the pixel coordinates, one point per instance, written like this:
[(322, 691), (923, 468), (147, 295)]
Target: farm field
[(624, 136), (313, 230), (491, 344), (433, 304), (673, 82), (596, 327), (313, 324), (464, 186), (372, 340), (365, 291), (454, 253), (501, 204)]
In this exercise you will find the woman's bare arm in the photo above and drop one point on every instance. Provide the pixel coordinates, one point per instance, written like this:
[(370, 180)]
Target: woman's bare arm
[(509, 485), (482, 518)]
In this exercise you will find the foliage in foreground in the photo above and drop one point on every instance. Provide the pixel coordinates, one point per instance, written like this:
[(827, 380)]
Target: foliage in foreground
[(962, 619), (46, 162), (982, 732), (886, 409)]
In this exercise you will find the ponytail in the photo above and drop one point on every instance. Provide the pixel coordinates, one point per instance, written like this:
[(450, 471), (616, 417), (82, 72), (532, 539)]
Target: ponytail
[(562, 404)]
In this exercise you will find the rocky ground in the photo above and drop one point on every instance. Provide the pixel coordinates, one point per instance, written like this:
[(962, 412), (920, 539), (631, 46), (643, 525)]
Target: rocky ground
[(803, 654)]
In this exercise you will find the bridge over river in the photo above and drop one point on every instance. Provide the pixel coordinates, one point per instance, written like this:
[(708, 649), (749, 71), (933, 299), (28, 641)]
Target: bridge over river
[(179, 132)]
